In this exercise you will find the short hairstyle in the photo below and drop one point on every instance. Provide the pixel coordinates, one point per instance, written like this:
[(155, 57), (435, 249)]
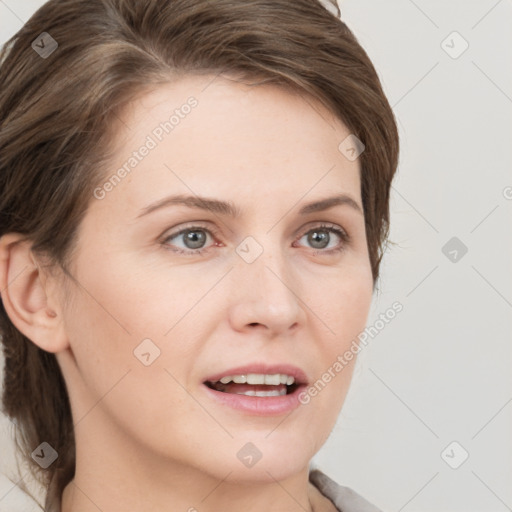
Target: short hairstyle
[(56, 111)]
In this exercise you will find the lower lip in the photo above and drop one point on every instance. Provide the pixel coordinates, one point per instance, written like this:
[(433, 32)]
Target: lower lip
[(258, 405)]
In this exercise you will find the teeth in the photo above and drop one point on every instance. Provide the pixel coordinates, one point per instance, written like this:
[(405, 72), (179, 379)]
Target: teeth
[(259, 378), (274, 392), (255, 378), (272, 380)]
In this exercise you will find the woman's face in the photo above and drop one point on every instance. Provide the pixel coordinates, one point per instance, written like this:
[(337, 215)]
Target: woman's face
[(156, 317)]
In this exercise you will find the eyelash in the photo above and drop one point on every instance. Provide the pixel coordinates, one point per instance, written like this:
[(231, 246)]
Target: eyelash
[(344, 236)]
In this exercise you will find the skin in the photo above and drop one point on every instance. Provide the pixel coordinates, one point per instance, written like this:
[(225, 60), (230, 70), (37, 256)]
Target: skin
[(148, 437)]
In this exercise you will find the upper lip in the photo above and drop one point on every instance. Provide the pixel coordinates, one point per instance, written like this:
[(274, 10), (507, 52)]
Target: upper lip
[(260, 368)]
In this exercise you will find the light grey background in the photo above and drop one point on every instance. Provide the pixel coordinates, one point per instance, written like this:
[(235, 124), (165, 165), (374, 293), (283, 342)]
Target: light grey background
[(440, 371)]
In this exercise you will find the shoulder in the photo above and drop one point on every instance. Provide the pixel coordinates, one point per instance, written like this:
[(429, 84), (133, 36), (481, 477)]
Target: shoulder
[(344, 498)]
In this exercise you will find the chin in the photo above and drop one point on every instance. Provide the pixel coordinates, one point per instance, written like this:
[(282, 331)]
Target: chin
[(263, 456)]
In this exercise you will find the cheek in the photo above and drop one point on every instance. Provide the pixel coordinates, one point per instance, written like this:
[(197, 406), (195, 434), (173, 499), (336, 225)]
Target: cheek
[(128, 299), (123, 309), (343, 305), (106, 325), (343, 301)]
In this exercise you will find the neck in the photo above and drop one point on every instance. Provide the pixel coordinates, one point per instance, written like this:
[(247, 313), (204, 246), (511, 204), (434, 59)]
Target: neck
[(112, 474)]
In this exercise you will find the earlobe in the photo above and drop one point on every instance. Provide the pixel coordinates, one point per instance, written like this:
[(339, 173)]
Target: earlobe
[(25, 294)]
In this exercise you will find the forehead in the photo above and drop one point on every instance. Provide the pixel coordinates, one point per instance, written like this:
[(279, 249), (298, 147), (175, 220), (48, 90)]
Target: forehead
[(217, 137)]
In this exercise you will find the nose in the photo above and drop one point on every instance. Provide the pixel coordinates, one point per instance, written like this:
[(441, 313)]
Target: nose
[(266, 295)]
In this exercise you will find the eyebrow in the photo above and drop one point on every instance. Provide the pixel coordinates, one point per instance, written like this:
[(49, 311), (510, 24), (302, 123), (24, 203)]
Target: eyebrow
[(230, 209)]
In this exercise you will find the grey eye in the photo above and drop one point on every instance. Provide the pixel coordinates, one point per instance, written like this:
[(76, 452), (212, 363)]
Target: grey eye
[(319, 238), (193, 238)]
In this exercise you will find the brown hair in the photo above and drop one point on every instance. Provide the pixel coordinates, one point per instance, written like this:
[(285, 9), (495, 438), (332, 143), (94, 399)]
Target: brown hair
[(55, 113)]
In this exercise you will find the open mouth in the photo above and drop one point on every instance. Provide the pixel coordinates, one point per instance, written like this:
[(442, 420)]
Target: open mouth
[(254, 384)]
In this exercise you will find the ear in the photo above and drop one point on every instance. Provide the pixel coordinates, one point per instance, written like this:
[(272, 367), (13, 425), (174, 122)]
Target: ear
[(29, 295)]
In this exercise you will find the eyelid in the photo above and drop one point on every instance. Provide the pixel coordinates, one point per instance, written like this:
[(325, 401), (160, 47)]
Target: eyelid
[(341, 232), (322, 224), (213, 232)]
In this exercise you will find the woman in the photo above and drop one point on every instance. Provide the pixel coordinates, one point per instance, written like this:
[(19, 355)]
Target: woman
[(195, 201)]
